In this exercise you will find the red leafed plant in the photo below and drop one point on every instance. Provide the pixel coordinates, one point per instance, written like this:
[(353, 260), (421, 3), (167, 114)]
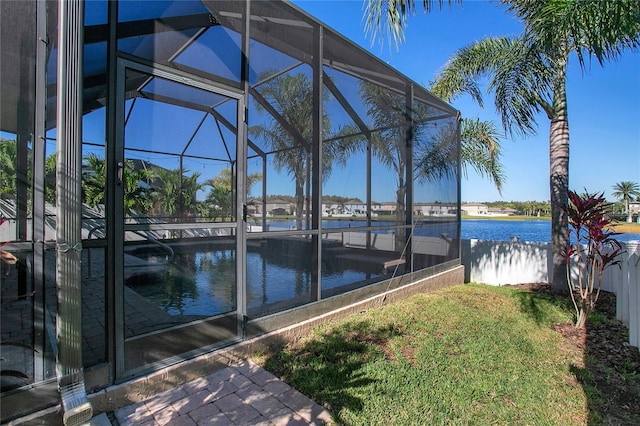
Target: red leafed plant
[(593, 249)]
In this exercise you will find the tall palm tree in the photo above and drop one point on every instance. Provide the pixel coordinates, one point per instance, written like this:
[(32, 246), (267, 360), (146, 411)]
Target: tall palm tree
[(625, 190), (387, 109), (291, 95), (480, 140), (528, 75)]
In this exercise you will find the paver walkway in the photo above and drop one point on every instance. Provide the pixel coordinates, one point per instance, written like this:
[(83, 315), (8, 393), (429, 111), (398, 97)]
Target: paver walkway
[(245, 394)]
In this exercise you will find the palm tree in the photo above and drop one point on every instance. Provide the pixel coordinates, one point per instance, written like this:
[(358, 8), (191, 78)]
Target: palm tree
[(387, 109), (189, 189), (528, 75), (625, 190), (219, 200), (137, 191), (291, 95), (93, 181), (480, 149), (480, 140), (175, 192), (137, 196)]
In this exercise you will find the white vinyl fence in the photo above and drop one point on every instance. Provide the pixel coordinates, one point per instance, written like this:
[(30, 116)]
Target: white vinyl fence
[(502, 262)]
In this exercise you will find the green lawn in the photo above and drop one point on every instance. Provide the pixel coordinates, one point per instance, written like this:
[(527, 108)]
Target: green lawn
[(469, 354), (514, 218)]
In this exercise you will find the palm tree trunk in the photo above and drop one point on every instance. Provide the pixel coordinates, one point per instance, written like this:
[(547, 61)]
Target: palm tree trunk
[(559, 184), (299, 199)]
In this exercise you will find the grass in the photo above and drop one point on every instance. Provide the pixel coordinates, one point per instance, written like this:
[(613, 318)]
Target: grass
[(631, 227), (511, 218), (469, 354)]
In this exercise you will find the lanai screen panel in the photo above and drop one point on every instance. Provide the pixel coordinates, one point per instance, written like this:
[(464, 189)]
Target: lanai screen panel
[(380, 203), (280, 115), (18, 336), (435, 207)]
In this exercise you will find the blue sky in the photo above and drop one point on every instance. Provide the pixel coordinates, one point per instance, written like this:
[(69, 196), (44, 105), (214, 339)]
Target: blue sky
[(604, 103)]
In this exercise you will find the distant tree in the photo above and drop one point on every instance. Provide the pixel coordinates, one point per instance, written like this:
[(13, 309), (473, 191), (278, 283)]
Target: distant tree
[(8, 155), (93, 180), (137, 191), (338, 199), (175, 192), (219, 202), (50, 164), (625, 191), (188, 191), (276, 197)]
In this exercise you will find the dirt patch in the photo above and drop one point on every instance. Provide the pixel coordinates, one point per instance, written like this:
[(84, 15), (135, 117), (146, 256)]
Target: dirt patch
[(610, 370)]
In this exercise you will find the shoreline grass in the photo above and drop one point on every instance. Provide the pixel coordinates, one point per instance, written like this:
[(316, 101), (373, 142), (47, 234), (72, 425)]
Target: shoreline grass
[(626, 227), (466, 354), (511, 218)]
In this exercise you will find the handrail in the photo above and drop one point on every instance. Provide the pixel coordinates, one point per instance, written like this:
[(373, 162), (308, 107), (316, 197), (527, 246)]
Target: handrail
[(158, 242), (145, 236), (95, 228)]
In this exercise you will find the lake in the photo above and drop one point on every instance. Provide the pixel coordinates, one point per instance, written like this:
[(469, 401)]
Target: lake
[(525, 230), (477, 229)]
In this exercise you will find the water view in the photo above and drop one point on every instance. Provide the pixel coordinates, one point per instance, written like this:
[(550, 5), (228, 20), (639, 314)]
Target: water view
[(478, 229), (526, 230)]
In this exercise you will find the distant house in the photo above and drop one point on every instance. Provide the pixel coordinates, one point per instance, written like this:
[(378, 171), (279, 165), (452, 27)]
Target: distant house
[(435, 209), (501, 211), (474, 209), (387, 208), (275, 207), (634, 210), (348, 208)]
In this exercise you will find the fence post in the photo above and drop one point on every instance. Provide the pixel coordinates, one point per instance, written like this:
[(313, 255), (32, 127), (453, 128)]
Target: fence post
[(633, 284)]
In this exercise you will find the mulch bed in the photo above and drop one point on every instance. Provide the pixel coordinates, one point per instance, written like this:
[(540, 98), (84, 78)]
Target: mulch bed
[(612, 364)]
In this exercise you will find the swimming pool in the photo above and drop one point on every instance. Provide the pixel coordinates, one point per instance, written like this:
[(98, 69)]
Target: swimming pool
[(201, 281)]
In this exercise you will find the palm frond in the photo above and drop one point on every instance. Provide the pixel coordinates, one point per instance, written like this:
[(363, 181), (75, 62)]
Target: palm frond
[(388, 18), (481, 149), (602, 28)]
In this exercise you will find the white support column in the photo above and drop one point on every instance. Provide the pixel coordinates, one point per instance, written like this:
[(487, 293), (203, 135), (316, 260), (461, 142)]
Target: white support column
[(69, 368)]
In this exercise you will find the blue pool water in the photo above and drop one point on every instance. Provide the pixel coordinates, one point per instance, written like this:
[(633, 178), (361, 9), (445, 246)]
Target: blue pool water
[(203, 283)]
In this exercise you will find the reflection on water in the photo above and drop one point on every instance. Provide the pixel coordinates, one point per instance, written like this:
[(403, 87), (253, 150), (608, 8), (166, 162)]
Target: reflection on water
[(198, 283), (203, 283)]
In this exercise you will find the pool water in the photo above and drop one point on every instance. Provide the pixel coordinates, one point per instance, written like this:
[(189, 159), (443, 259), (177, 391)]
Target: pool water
[(203, 283)]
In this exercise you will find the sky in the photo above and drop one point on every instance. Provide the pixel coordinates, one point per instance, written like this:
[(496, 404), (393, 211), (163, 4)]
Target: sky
[(604, 103)]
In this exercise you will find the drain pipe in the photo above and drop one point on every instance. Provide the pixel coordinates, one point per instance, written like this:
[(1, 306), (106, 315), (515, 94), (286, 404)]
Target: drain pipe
[(69, 368)]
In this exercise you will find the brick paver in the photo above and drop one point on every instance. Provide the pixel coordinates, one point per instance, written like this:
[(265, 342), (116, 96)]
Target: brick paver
[(244, 394)]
